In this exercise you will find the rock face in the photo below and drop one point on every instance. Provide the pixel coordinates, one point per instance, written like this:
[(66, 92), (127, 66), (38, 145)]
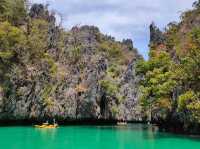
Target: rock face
[(130, 82), (74, 90), (156, 36)]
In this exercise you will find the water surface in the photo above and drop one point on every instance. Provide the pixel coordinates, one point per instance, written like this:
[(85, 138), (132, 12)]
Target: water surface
[(93, 137)]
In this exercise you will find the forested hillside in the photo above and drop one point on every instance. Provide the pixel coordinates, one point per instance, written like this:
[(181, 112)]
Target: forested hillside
[(170, 89), (47, 72)]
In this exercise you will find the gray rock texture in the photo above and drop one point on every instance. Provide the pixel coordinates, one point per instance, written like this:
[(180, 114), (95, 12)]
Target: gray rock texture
[(73, 91)]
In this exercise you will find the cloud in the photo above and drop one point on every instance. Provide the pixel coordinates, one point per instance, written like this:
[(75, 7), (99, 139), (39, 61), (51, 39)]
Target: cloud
[(121, 18)]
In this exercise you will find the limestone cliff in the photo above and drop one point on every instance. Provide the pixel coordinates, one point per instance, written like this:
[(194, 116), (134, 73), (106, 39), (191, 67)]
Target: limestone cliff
[(73, 75)]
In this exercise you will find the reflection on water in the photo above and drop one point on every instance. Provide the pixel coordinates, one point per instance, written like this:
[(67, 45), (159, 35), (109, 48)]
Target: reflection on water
[(46, 133), (135, 136)]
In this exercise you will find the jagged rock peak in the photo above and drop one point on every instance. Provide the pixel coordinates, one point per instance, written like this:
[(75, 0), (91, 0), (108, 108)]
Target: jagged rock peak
[(128, 43), (156, 36), (85, 28)]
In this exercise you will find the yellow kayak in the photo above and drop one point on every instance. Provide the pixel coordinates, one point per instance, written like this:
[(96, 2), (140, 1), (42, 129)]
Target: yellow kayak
[(46, 126)]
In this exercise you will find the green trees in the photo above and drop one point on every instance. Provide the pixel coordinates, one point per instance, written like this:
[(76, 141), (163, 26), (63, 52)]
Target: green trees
[(189, 99), (112, 49), (11, 42), (169, 86), (170, 89), (13, 11), (3, 8), (189, 107), (37, 38), (11, 37), (110, 87), (158, 84)]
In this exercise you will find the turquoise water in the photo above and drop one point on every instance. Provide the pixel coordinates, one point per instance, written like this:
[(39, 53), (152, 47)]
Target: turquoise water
[(93, 137)]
